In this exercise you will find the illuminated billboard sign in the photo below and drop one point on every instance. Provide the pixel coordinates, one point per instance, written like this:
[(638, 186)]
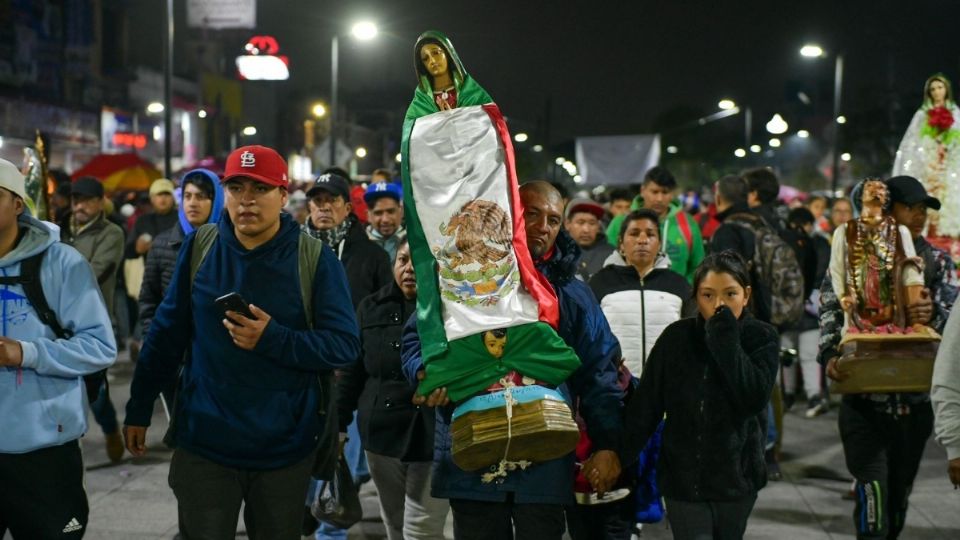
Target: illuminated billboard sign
[(262, 61)]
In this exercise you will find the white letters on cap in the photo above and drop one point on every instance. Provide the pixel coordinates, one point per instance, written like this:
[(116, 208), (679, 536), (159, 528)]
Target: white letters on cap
[(324, 178), (381, 187), (248, 159)]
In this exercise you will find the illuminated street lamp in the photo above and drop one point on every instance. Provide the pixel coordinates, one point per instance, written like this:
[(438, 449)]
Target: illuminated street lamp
[(155, 107), (521, 137), (249, 131), (803, 134), (740, 152), (319, 110), (774, 143), (777, 125), (361, 31), (726, 104), (364, 30), (811, 51), (815, 51), (361, 152)]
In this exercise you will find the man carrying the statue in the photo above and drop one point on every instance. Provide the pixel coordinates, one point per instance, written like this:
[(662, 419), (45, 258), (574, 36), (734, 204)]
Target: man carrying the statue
[(884, 434), (529, 502)]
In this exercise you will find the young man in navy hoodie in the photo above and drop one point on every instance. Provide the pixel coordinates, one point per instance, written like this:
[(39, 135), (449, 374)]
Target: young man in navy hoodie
[(250, 410)]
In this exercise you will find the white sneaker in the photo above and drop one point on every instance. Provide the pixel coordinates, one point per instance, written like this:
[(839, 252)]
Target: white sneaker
[(815, 407)]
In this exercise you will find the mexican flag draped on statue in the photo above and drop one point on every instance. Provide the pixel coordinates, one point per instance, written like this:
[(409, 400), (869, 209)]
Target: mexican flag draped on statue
[(482, 308)]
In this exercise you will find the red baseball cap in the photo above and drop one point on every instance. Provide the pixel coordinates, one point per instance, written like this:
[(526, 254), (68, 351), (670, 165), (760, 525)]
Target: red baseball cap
[(584, 205), (258, 162)]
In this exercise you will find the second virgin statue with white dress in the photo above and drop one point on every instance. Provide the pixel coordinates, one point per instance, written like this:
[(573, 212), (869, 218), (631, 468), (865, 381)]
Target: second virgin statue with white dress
[(930, 152)]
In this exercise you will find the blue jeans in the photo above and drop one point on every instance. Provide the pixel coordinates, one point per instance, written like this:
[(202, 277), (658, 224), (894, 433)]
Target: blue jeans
[(353, 452), (103, 411)]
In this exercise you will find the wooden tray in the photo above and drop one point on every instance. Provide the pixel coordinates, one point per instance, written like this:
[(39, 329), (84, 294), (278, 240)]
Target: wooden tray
[(886, 366)]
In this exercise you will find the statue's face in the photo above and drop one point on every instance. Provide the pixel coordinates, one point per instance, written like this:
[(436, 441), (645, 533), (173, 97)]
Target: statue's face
[(875, 191), (434, 59), (938, 91), (495, 344)]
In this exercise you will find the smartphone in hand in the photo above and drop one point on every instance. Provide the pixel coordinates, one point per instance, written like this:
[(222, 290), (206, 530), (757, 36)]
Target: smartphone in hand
[(234, 302)]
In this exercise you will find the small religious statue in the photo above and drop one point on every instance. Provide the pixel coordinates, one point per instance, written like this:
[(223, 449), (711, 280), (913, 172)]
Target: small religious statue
[(876, 274)]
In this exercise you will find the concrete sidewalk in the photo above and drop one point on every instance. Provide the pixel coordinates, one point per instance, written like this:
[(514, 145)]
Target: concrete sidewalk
[(131, 500)]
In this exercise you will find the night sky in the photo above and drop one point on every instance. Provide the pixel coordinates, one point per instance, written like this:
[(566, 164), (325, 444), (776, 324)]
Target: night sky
[(611, 67)]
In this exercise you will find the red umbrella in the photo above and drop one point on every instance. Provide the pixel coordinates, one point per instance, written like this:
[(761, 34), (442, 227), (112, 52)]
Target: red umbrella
[(120, 172)]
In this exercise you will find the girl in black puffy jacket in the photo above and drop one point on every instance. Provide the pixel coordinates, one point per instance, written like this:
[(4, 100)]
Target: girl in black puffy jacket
[(712, 376)]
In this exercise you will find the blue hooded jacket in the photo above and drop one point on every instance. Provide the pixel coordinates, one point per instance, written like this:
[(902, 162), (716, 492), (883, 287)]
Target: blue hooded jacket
[(246, 409), (216, 207), (583, 327), (162, 257), (44, 403)]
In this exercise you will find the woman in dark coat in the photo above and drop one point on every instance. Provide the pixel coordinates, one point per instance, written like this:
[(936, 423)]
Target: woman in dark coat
[(712, 376), (396, 435)]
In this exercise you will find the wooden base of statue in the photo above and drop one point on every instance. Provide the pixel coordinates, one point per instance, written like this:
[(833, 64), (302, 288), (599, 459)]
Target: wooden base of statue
[(884, 364), (539, 431)]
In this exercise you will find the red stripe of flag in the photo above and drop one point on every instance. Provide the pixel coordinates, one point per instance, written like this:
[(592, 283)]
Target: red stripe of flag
[(534, 281)]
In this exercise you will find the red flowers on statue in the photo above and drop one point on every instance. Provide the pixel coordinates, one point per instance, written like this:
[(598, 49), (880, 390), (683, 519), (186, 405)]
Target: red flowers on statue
[(939, 118)]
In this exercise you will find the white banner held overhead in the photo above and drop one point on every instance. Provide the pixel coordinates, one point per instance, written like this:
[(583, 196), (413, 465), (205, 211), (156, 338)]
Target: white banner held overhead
[(616, 160), (218, 14)]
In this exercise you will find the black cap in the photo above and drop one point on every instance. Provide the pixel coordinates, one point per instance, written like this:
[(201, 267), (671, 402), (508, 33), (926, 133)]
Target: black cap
[(331, 183), (908, 190), (87, 186)]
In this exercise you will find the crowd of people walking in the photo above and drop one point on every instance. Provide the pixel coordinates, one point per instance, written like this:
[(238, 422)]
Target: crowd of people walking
[(277, 325)]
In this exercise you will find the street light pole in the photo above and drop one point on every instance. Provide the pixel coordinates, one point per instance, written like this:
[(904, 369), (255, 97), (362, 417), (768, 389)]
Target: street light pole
[(837, 89), (334, 74), (167, 94)]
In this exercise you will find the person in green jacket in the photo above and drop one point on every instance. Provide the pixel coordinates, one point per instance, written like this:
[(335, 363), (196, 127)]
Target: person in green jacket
[(101, 243), (682, 241)]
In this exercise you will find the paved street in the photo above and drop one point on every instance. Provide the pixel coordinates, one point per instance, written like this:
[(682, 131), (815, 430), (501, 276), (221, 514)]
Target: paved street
[(131, 500)]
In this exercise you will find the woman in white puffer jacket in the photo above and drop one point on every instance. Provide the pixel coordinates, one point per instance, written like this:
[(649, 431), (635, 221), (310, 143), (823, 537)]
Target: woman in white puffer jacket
[(637, 291)]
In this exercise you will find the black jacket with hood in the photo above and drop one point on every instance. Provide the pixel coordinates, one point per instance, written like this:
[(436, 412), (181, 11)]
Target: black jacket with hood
[(713, 380)]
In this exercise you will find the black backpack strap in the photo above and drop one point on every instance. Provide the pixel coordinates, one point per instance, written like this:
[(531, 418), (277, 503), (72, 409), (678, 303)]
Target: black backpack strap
[(29, 279)]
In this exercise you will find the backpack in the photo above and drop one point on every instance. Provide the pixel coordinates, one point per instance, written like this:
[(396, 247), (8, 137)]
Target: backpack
[(775, 264), (29, 279), (309, 250)]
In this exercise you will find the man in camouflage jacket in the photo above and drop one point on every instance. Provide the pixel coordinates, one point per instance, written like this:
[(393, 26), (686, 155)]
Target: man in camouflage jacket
[(884, 434)]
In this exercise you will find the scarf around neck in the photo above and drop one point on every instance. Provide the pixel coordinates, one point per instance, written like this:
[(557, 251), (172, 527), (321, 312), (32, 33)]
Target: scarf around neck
[(332, 237)]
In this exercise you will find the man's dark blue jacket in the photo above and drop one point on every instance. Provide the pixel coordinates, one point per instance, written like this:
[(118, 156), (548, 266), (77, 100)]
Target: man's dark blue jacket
[(584, 328), (246, 409)]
